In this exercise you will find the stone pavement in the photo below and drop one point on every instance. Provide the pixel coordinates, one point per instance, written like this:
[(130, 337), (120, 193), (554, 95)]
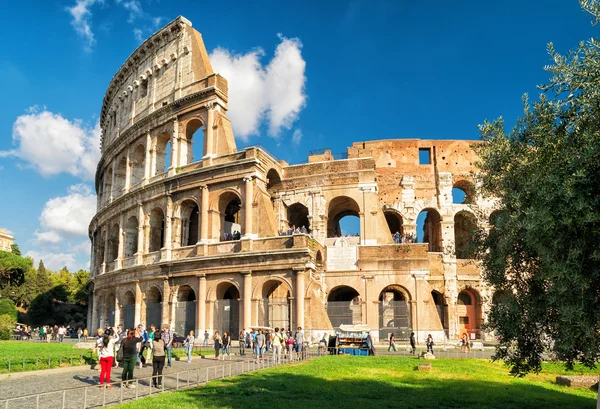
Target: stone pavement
[(77, 387)]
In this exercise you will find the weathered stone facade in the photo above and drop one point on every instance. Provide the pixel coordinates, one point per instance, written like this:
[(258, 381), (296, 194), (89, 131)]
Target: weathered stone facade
[(159, 254)]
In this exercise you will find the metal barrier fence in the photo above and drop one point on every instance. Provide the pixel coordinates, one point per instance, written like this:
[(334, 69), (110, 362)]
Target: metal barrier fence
[(45, 361), (96, 396)]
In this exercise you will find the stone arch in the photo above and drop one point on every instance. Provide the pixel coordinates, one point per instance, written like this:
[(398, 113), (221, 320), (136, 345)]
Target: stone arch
[(113, 243), (153, 300), (190, 222), (227, 307), (432, 230), (273, 181), (162, 153), (274, 307), (463, 192), (189, 146), (338, 208), (128, 310), (157, 229), (110, 302), (107, 192), (297, 215), (344, 306), (465, 225), (319, 258), (395, 312), (228, 206), (468, 311), (394, 222), (185, 310), (120, 177), (131, 237), (138, 164)]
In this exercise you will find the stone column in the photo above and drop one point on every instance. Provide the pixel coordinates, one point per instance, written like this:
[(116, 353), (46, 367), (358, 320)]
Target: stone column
[(141, 226), (204, 215), (247, 299), (166, 310), (148, 159), (112, 182), (300, 276), (138, 303), (201, 306), (117, 309), (121, 250), (105, 251), (92, 313), (248, 197), (208, 134), (127, 171), (166, 250)]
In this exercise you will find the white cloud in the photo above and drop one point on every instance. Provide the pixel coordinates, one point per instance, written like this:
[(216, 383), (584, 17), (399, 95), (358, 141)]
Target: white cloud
[(46, 238), (138, 34), (274, 93), (52, 144), (297, 136), (69, 216), (54, 261), (81, 21)]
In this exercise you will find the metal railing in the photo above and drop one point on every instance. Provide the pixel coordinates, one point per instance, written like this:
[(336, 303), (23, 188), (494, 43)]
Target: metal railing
[(96, 396), (9, 364)]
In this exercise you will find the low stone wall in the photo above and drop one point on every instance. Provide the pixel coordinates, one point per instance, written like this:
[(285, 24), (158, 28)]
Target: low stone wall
[(578, 381)]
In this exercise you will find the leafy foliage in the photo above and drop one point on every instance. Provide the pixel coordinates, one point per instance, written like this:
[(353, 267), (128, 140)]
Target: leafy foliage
[(7, 307), (543, 251), (7, 323)]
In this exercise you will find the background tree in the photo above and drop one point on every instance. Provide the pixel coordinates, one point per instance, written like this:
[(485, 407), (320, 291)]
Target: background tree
[(543, 252), (12, 271), (44, 279)]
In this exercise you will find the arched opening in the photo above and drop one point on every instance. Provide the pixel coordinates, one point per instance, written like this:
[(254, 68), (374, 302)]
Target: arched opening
[(463, 192), (394, 222), (120, 176), (429, 229), (496, 218), (464, 231), (157, 230), (185, 311), (162, 153), (229, 210), (319, 259), (298, 218), (440, 306), (227, 309), (110, 311), (153, 307), (138, 161), (131, 237), (343, 217), (190, 216), (107, 193), (191, 148), (100, 246), (128, 310), (273, 181), (467, 312), (343, 306), (113, 243), (394, 313), (275, 307)]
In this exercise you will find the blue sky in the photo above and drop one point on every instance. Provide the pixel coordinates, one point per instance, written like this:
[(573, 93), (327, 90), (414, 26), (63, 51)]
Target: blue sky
[(369, 70)]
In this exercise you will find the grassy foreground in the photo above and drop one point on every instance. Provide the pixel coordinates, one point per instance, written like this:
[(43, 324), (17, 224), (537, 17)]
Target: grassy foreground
[(381, 382), (23, 356)]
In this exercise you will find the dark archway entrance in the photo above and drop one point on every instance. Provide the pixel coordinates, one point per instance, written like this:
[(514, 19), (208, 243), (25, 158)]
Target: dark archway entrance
[(128, 310), (185, 312), (153, 308), (343, 306), (227, 310), (394, 313), (274, 309)]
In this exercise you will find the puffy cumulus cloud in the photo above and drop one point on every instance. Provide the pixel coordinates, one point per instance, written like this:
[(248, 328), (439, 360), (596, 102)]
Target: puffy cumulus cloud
[(52, 144), (46, 238), (68, 216), (274, 93), (81, 21), (55, 261)]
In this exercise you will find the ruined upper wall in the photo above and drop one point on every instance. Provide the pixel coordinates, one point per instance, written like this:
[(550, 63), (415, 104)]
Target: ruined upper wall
[(171, 64)]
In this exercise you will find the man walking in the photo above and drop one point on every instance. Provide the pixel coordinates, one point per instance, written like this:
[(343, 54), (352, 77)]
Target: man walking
[(167, 337)]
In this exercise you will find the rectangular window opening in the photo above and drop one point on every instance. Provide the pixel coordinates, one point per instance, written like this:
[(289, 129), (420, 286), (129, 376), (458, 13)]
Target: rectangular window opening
[(144, 88), (424, 156), (463, 320)]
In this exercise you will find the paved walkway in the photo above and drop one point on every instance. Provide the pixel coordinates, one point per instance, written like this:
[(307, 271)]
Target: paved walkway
[(77, 386)]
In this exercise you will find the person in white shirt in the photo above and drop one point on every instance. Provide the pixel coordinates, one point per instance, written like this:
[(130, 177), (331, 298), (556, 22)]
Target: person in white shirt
[(107, 355)]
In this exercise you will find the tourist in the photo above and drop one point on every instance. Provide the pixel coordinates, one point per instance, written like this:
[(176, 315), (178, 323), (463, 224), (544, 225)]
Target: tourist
[(242, 341), (98, 345), (322, 346), (120, 335), (413, 344), (206, 336), (85, 334), (61, 333), (130, 355), (217, 344), (392, 343), (107, 354), (167, 337), (189, 345), (260, 345), (225, 349), (465, 345), (429, 344), (142, 346), (149, 343), (79, 334), (268, 341), (158, 359), (299, 340), (289, 343), (276, 339)]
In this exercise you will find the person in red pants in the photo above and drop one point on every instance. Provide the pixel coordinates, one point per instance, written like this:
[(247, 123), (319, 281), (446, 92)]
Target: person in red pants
[(107, 355)]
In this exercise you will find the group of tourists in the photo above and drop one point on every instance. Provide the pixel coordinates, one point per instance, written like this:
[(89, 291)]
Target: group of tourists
[(132, 347), (51, 333), (291, 230), (281, 343), (235, 235), (404, 238)]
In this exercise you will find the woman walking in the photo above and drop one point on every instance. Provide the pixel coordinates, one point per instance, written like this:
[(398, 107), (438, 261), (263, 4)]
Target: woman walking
[(189, 345), (392, 343), (217, 344), (106, 355), (130, 355), (158, 359), (429, 344), (226, 346)]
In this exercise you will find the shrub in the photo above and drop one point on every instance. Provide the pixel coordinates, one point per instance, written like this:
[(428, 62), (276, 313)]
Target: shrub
[(8, 307), (7, 324)]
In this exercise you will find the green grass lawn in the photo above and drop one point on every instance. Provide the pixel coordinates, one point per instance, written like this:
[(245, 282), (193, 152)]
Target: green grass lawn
[(381, 382), (27, 356)]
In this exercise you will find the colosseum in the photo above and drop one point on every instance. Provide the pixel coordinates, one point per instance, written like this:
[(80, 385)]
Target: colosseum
[(193, 232)]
